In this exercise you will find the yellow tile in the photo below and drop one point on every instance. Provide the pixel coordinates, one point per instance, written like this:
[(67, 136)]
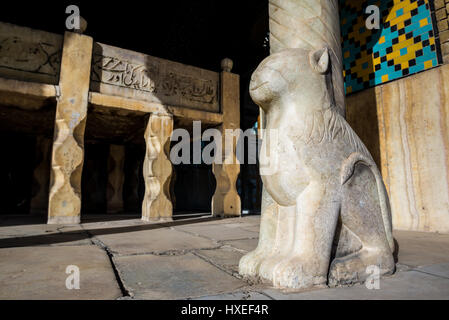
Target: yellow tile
[(403, 44), (366, 76), (400, 25), (385, 78), (411, 6), (347, 54), (423, 22), (399, 4), (399, 19), (394, 54), (381, 39), (358, 69), (428, 64), (365, 58), (391, 16), (413, 48), (349, 89), (405, 58), (404, 65)]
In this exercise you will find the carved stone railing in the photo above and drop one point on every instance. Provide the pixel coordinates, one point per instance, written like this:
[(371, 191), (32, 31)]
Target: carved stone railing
[(78, 73)]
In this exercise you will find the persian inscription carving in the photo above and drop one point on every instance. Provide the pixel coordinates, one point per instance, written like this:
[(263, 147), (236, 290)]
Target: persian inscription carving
[(39, 57), (29, 54), (121, 73), (193, 89), (134, 75), (150, 78)]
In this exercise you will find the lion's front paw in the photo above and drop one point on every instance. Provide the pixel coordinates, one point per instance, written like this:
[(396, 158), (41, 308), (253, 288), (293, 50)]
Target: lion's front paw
[(297, 273), (267, 267), (346, 271), (249, 263)]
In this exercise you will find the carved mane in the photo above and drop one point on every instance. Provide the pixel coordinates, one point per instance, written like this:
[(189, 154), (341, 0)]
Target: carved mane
[(327, 126)]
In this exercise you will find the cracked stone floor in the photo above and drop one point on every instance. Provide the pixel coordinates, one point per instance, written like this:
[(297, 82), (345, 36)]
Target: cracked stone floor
[(121, 257)]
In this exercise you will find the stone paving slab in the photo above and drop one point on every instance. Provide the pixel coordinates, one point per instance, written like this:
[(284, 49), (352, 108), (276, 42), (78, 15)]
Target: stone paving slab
[(52, 239), (250, 228), (242, 295), (407, 285), (224, 257), (248, 220), (155, 241), (173, 277), (40, 273), (219, 232), (100, 224), (441, 270), (27, 230), (246, 245), (421, 248), (191, 258), (34, 232), (42, 235)]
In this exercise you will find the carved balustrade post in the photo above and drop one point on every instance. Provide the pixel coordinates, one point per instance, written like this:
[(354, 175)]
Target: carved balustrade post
[(68, 145), (226, 200), (116, 178), (157, 169)]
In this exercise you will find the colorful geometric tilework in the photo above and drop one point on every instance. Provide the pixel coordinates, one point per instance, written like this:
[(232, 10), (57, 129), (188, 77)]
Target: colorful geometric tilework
[(404, 44)]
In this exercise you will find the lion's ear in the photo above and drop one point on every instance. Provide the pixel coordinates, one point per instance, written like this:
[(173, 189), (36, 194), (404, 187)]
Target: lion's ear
[(319, 60)]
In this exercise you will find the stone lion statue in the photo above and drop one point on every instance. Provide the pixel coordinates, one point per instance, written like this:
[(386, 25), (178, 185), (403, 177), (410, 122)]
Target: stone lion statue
[(325, 211)]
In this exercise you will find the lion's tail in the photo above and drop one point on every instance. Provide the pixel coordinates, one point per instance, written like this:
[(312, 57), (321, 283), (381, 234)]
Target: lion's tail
[(347, 171)]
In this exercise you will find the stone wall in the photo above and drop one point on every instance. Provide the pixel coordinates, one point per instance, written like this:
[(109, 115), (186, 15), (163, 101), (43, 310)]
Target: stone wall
[(405, 123), (441, 8)]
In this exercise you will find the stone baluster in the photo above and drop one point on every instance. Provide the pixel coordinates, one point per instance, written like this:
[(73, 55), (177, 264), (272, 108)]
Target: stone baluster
[(68, 145), (157, 169), (226, 200)]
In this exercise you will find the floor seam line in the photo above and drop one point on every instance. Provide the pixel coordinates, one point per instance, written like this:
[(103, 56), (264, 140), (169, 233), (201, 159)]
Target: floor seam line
[(97, 242), (221, 268), (430, 274)]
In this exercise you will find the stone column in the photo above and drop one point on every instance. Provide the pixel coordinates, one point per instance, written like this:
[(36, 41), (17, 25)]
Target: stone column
[(68, 146), (41, 176), (309, 24), (226, 200), (116, 178), (157, 169)]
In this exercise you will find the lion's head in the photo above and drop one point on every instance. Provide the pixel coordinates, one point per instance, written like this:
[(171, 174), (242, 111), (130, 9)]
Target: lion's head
[(294, 76)]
